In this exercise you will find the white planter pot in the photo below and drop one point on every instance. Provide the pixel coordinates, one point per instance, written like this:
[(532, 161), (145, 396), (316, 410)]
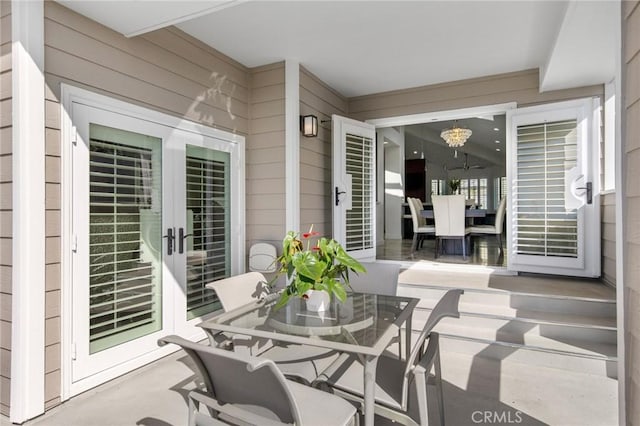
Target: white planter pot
[(318, 300)]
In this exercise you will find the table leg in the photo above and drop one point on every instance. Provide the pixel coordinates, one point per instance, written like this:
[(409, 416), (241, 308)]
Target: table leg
[(370, 365)]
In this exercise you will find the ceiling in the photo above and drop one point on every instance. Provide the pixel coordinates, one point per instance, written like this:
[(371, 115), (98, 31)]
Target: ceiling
[(364, 47)]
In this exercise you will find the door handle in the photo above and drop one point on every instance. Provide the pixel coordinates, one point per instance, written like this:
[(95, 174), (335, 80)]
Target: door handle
[(170, 240), (589, 194), (338, 193), (181, 237)]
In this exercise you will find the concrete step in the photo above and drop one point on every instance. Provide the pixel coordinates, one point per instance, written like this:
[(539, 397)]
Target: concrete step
[(522, 305)]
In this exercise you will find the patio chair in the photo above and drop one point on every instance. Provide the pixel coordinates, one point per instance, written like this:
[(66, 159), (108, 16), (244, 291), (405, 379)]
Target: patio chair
[(420, 227), (262, 258), (241, 389), (449, 215), (298, 362), (401, 386), (496, 228)]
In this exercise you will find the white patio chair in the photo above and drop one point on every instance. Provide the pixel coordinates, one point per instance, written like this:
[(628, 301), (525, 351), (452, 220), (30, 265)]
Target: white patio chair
[(449, 215), (299, 362), (241, 389), (496, 228), (401, 386), (420, 227), (262, 258)]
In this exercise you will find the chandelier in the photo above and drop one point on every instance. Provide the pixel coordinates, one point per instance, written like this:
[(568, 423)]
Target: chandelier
[(455, 136)]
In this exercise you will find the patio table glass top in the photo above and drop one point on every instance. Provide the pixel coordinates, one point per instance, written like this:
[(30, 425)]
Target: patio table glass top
[(363, 323)]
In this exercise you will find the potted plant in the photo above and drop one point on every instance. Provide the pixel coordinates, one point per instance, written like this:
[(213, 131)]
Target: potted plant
[(315, 272), (454, 185)]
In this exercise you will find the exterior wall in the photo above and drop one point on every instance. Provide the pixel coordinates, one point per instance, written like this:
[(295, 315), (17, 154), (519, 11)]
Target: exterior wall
[(521, 87), (6, 224), (608, 240), (315, 153), (631, 202), (265, 156), (165, 70)]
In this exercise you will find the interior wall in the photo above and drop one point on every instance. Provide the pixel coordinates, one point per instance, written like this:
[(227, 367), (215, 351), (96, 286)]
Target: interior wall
[(265, 156), (631, 203), (317, 98), (165, 70), (6, 188)]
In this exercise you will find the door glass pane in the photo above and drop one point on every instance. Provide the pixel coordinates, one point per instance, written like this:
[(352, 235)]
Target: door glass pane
[(546, 152), (208, 223), (359, 164), (125, 236)]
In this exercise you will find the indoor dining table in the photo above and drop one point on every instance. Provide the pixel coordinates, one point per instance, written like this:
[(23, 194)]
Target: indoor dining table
[(364, 324)]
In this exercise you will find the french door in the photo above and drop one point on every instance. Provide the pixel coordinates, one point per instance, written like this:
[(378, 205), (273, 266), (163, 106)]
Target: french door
[(152, 223), (354, 198), (553, 202)]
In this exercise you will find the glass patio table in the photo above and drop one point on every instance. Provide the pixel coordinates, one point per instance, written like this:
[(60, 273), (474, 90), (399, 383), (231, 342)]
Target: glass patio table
[(363, 324)]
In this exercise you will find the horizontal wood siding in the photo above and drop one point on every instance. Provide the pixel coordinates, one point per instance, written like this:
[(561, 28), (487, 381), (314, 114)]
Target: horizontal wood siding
[(521, 87), (315, 153), (266, 207), (6, 223), (608, 240), (631, 206), (165, 70)]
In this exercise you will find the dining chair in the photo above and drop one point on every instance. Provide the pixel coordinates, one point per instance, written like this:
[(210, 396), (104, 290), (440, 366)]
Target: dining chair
[(496, 228), (298, 362), (241, 389), (420, 228), (449, 216), (401, 385)]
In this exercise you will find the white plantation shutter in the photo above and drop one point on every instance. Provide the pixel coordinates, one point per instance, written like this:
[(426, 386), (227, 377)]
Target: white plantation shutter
[(359, 165), (125, 238), (208, 223), (546, 152)]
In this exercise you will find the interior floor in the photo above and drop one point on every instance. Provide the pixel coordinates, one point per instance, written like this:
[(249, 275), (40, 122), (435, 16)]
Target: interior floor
[(484, 252)]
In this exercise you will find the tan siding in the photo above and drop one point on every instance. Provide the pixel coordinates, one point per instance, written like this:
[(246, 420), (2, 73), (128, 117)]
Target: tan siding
[(166, 70), (315, 153), (608, 219), (520, 87), (6, 203), (631, 203), (265, 156)]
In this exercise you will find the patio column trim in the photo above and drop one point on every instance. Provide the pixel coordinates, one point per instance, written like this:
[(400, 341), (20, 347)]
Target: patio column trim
[(292, 145), (28, 273)]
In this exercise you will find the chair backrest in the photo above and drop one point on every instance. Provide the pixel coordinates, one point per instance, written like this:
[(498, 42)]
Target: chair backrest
[(380, 278), (233, 378), (447, 306), (262, 258), (500, 214), (414, 214), (417, 203), (239, 290), (449, 215)]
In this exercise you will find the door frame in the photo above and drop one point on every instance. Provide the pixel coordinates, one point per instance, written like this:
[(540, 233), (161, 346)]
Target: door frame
[(455, 114), (69, 96)]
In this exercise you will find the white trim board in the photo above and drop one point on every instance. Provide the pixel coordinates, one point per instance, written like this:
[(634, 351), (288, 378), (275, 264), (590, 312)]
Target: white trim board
[(28, 244), (292, 145)]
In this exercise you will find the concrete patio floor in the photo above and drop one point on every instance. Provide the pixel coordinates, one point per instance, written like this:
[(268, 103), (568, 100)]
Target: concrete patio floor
[(474, 387)]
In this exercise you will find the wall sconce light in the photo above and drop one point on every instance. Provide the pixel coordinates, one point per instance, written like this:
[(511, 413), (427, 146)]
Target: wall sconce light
[(309, 125)]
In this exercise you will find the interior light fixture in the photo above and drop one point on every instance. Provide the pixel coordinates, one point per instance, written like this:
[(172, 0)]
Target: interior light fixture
[(455, 136), (309, 125), (497, 141), (496, 129)]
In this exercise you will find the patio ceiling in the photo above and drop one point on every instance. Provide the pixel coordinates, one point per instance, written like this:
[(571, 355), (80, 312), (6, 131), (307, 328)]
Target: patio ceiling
[(364, 47)]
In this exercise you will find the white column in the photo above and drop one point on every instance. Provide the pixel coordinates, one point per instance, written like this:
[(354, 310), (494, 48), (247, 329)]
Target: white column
[(28, 287), (292, 147)]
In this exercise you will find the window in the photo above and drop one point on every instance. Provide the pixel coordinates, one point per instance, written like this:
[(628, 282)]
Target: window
[(476, 190), (437, 186), (499, 190)]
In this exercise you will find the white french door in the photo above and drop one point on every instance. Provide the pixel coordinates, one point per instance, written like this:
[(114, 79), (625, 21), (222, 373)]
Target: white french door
[(354, 198), (553, 217), (152, 224)]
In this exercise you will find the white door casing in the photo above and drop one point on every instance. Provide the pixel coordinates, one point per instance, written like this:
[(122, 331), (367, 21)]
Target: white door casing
[(80, 369), (553, 220), (353, 186)]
